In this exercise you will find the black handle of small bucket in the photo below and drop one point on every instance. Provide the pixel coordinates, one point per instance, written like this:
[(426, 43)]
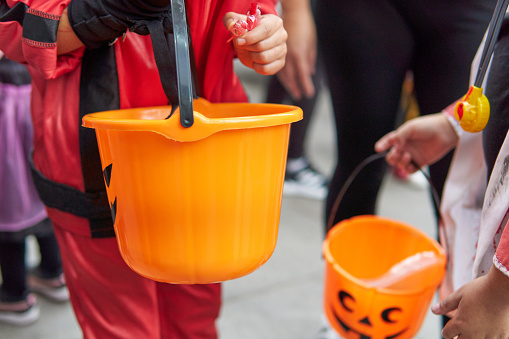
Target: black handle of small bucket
[(355, 172), (491, 39), (184, 75)]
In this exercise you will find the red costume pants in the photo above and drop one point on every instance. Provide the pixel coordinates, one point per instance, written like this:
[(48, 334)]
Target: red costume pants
[(111, 301)]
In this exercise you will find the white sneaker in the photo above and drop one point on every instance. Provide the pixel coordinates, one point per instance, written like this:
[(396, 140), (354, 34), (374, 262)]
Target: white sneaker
[(302, 180), (20, 313), (53, 288)]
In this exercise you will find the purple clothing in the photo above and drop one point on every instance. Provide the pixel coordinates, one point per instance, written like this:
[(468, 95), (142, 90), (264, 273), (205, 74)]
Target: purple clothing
[(20, 206)]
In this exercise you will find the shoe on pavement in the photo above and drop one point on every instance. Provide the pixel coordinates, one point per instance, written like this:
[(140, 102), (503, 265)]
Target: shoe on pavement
[(54, 289), (21, 313), (302, 180)]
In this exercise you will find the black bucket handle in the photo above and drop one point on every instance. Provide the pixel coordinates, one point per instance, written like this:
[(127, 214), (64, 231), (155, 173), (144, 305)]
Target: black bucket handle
[(355, 172), (175, 66), (184, 75)]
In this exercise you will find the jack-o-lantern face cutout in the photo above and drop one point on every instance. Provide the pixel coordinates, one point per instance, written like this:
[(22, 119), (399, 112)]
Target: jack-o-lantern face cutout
[(363, 325), (107, 179)]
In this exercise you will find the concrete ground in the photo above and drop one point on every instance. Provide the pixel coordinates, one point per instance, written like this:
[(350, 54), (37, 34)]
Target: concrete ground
[(283, 299)]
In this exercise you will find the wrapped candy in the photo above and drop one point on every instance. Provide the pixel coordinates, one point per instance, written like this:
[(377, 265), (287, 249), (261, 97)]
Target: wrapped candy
[(241, 27)]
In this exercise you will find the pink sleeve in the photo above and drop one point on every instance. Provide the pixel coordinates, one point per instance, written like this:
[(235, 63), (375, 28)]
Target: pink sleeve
[(501, 258), (28, 34)]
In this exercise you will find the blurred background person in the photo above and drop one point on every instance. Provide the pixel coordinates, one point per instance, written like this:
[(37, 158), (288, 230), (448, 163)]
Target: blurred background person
[(298, 83), (21, 211)]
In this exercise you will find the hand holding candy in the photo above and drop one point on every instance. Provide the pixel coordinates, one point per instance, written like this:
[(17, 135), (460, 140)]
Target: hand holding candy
[(241, 27), (259, 40)]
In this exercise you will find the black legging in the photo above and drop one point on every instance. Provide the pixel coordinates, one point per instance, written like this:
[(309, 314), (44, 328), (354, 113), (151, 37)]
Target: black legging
[(497, 92), (367, 48), (12, 263), (277, 94)]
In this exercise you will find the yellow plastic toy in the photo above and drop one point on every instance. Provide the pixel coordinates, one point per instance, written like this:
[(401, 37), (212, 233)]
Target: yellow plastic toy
[(199, 204), (473, 112)]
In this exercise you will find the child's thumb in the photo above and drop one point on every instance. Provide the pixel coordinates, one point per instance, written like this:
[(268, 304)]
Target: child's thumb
[(230, 18), (448, 304)]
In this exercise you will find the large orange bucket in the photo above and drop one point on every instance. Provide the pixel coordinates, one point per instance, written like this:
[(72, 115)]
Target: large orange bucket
[(198, 204), (380, 277)]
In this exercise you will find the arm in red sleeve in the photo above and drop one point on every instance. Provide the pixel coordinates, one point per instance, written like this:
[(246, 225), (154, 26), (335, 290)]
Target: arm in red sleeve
[(501, 258), (28, 34)]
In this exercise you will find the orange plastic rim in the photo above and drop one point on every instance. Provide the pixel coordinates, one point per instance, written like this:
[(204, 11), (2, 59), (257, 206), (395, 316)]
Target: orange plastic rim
[(198, 204)]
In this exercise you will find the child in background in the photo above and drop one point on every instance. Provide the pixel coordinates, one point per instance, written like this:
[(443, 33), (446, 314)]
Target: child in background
[(21, 211), (475, 214)]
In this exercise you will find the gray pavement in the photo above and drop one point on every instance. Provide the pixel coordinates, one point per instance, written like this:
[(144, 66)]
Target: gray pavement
[(282, 299)]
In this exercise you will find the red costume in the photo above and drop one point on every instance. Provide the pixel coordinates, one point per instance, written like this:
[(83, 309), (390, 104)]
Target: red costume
[(110, 300)]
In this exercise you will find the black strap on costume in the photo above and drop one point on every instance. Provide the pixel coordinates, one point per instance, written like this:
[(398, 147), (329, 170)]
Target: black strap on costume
[(173, 61), (165, 60), (97, 22), (69, 199)]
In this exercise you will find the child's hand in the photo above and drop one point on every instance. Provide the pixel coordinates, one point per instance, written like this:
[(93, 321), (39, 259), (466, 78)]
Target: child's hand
[(482, 308), (264, 47), (423, 141)]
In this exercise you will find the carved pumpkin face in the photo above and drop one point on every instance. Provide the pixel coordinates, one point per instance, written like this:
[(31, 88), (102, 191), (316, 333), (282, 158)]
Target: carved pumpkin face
[(107, 180), (360, 252), (363, 326)]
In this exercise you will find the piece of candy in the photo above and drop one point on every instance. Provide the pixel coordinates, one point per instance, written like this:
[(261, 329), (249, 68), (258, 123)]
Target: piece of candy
[(241, 27)]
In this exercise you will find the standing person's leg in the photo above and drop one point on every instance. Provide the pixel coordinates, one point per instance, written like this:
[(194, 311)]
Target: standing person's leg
[(445, 50), (50, 265), (12, 265), (367, 49), (17, 305), (278, 95), (47, 278), (301, 178)]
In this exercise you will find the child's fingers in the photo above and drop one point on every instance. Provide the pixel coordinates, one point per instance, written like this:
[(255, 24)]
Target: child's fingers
[(384, 143), (271, 68), (270, 26), (407, 164), (269, 55), (448, 304), (394, 157), (231, 18)]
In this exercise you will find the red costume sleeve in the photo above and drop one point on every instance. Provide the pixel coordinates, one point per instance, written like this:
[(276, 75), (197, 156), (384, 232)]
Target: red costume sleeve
[(213, 54), (501, 258), (28, 34)]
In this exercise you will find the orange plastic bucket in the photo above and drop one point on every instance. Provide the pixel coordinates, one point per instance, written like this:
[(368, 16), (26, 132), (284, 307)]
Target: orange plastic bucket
[(198, 204), (380, 277)]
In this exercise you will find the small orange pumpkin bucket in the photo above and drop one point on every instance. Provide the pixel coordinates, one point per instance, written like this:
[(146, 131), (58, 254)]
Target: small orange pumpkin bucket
[(198, 204), (380, 277)]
